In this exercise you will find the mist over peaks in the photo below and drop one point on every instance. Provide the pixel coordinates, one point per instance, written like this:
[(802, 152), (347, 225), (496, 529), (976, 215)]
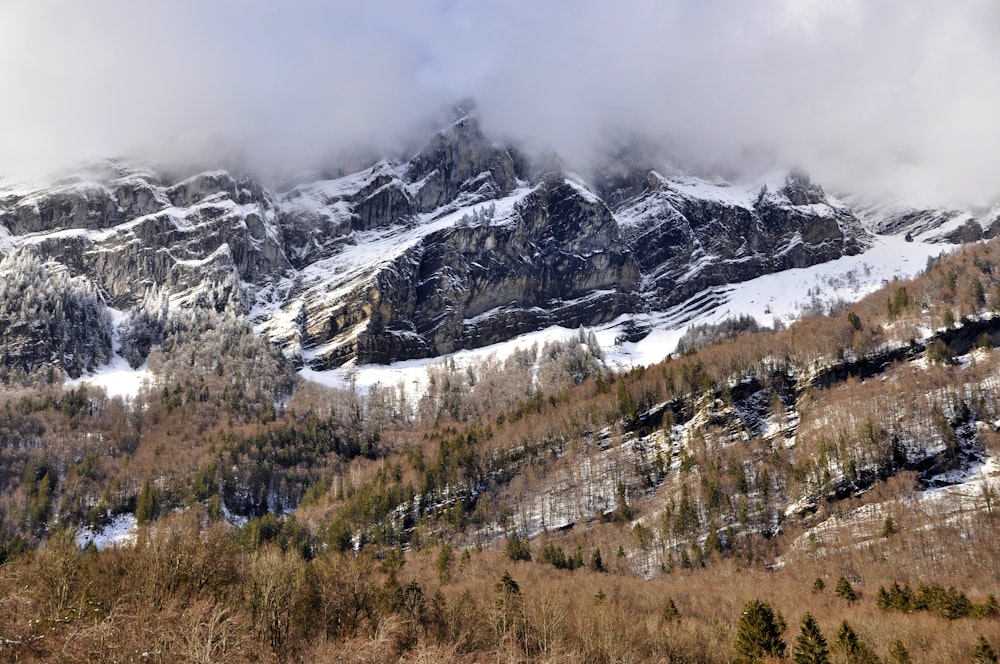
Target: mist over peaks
[(889, 98)]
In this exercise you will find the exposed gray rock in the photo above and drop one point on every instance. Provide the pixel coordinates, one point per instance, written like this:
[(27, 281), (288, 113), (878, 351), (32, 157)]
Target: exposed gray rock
[(943, 224), (130, 233), (689, 235), (464, 245), (460, 160)]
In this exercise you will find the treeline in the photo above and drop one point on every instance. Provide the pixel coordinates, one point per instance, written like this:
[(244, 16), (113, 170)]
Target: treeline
[(81, 457)]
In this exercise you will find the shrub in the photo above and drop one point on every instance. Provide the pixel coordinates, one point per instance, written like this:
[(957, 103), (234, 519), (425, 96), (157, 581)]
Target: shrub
[(846, 590), (984, 653)]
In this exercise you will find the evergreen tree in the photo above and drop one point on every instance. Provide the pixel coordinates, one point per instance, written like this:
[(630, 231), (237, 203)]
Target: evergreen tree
[(145, 504), (853, 648), (810, 646), (898, 653), (846, 590), (443, 563), (517, 549), (508, 605), (758, 633), (670, 612), (596, 564)]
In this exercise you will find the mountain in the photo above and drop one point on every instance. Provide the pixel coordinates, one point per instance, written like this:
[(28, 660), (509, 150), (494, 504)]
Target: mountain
[(534, 502), (467, 243)]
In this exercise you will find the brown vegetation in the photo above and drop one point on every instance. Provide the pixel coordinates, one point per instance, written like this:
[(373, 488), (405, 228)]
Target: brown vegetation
[(747, 470)]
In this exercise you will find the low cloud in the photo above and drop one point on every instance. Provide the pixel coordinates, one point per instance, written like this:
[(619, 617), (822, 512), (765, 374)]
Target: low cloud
[(881, 96), (884, 96)]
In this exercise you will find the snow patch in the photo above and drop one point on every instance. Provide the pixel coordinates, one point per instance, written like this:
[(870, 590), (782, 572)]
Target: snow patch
[(413, 374), (117, 378), (120, 532)]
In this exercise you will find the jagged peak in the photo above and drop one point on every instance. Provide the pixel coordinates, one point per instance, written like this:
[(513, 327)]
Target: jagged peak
[(800, 189)]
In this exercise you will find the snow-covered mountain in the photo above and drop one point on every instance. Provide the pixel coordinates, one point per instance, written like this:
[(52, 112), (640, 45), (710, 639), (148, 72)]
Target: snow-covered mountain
[(941, 224), (468, 243)]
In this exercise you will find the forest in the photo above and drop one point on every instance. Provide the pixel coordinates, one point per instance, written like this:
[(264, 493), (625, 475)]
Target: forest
[(826, 492)]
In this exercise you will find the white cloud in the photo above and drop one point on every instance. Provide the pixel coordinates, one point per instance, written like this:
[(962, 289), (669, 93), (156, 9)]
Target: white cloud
[(894, 95)]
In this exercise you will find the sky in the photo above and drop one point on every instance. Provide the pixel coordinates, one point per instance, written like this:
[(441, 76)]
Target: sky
[(880, 96)]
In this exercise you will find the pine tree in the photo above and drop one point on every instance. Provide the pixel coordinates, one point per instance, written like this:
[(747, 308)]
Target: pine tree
[(596, 564), (145, 504), (517, 549), (846, 590), (443, 563), (853, 648), (810, 646), (758, 633), (670, 612), (888, 527), (898, 653)]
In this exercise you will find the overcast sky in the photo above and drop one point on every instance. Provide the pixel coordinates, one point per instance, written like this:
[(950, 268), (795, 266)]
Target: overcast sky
[(894, 95)]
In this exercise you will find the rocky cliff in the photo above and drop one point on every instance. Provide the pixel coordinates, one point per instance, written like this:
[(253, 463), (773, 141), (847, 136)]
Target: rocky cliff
[(464, 244), (689, 234)]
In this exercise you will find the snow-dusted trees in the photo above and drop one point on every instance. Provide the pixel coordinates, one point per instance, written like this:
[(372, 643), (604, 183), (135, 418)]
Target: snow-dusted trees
[(49, 320), (491, 385), (478, 216), (699, 336), (143, 327), (210, 357)]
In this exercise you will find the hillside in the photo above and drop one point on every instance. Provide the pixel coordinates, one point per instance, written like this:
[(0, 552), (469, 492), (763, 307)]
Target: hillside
[(259, 518)]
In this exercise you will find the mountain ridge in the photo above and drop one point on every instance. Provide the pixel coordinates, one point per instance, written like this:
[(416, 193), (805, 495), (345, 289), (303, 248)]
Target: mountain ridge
[(465, 244)]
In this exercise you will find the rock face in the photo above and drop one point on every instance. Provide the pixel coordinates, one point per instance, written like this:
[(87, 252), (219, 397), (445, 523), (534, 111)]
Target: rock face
[(203, 238), (462, 245), (688, 235), (558, 258), (460, 163)]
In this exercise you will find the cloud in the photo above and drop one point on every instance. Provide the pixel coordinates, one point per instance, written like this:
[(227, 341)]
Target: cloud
[(189, 79), (886, 95), (879, 95)]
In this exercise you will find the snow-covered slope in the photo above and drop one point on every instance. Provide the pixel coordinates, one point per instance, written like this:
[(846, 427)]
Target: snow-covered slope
[(781, 297)]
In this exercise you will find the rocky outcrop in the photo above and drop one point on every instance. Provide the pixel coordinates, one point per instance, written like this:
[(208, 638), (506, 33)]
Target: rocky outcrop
[(559, 259), (130, 233), (460, 163), (689, 235), (943, 224)]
